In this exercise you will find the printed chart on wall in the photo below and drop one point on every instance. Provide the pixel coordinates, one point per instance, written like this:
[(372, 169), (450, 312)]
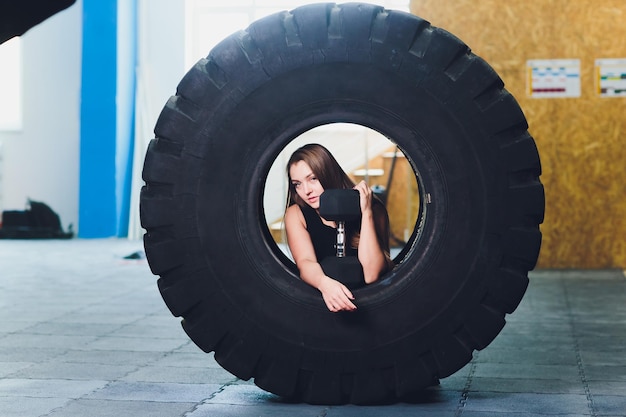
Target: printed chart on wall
[(611, 77), (553, 78)]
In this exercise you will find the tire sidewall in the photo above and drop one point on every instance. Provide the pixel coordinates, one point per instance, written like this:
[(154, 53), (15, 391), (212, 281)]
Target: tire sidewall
[(419, 293)]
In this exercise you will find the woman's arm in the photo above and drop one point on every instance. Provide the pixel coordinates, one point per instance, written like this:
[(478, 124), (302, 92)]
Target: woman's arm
[(370, 253), (336, 295)]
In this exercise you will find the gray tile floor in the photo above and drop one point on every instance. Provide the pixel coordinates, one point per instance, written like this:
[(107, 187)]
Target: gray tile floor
[(84, 332)]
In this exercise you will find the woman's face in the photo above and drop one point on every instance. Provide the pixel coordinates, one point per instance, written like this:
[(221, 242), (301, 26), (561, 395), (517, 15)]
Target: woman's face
[(306, 183)]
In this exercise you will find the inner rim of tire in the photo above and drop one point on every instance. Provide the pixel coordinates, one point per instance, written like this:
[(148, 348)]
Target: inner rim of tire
[(409, 189)]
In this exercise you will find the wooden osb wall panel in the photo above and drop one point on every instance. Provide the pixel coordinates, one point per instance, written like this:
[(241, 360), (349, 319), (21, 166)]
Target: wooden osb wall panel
[(402, 198), (580, 140), (402, 193)]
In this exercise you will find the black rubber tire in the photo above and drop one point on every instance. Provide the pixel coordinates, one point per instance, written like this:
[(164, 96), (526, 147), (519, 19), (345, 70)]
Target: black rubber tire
[(466, 265)]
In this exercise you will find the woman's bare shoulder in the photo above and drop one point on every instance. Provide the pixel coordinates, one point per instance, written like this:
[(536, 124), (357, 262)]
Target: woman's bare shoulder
[(294, 213), (292, 210)]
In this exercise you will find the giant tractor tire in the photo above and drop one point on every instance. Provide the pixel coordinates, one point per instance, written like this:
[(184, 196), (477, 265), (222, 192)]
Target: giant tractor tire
[(466, 264)]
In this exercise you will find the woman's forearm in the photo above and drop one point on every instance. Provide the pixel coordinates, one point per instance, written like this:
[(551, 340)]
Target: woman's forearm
[(336, 296), (311, 272), (370, 253)]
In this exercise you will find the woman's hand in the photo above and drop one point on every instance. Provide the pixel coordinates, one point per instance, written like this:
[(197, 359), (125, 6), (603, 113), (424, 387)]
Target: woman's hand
[(365, 194), (371, 255), (336, 295)]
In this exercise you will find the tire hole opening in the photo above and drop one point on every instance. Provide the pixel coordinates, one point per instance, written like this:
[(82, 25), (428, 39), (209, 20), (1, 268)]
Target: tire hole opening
[(364, 154)]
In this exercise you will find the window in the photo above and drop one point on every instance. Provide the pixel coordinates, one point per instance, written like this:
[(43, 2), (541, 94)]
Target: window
[(11, 85)]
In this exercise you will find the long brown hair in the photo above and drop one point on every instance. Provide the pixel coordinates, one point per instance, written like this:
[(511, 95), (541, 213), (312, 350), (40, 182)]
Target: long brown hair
[(324, 166)]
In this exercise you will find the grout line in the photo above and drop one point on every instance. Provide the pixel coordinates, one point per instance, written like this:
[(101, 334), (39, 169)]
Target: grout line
[(209, 398), (579, 360), (466, 388), (324, 412)]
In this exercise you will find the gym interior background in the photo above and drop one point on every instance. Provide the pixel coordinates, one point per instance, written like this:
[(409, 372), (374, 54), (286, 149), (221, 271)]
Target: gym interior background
[(88, 84)]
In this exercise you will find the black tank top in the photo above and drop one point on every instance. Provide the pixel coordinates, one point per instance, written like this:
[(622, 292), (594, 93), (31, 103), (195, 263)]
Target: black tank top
[(324, 238)]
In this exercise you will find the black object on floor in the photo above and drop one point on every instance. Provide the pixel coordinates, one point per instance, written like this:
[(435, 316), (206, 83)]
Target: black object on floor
[(38, 222), (136, 255)]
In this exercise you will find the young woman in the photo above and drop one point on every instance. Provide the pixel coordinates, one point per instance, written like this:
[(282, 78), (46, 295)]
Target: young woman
[(312, 169)]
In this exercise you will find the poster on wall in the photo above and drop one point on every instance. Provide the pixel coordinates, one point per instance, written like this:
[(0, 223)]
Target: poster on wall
[(553, 78), (611, 77)]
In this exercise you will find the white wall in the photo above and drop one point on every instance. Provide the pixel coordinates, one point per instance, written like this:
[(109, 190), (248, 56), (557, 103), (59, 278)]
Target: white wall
[(161, 66), (161, 50), (41, 161)]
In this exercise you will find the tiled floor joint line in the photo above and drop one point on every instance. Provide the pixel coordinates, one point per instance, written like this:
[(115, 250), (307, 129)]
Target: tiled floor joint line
[(579, 360), (210, 397), (466, 388)]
